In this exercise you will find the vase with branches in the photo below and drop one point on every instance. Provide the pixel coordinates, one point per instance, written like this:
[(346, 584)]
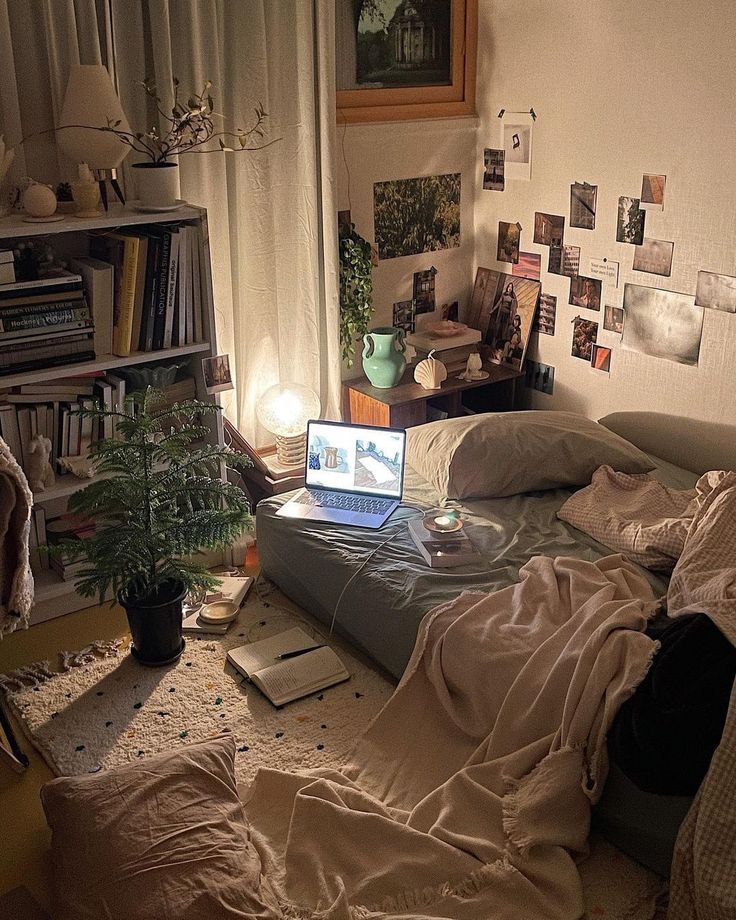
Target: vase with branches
[(158, 499)]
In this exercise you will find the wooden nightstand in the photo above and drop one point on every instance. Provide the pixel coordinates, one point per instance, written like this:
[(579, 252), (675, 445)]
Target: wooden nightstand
[(406, 404)]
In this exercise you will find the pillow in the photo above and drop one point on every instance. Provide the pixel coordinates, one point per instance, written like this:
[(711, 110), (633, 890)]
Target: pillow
[(504, 453), (162, 837)]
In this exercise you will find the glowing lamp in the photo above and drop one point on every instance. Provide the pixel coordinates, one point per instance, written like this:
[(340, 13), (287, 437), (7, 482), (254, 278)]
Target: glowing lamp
[(284, 410)]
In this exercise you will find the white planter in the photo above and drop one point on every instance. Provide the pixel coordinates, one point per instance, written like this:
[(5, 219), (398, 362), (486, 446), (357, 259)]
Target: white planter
[(158, 184)]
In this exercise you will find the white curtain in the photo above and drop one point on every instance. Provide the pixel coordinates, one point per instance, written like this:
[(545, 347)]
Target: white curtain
[(272, 213)]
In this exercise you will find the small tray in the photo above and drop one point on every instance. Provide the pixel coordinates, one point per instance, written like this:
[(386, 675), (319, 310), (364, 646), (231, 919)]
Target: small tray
[(219, 612)]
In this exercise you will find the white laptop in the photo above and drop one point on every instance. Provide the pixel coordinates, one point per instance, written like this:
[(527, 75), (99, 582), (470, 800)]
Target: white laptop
[(354, 474)]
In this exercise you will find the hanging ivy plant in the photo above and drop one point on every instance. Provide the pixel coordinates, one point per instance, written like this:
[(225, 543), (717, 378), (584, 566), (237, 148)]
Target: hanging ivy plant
[(356, 289)]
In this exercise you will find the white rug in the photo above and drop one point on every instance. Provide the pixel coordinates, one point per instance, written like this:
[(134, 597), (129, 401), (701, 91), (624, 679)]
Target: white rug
[(104, 709)]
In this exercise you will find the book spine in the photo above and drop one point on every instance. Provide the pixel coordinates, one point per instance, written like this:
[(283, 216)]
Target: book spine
[(7, 337), (171, 289), (44, 319), (45, 299), (122, 342), (39, 289), (54, 359), (32, 339), (149, 318), (162, 290)]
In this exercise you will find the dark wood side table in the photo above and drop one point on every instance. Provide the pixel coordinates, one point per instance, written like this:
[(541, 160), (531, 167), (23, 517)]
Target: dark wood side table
[(406, 404)]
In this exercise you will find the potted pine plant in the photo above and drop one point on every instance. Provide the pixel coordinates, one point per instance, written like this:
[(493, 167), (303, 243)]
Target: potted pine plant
[(158, 499)]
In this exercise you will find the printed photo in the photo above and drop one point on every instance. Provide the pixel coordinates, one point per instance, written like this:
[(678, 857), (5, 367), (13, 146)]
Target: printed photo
[(582, 205), (570, 260), (549, 229), (654, 256), (503, 309), (663, 324), (546, 314), (630, 222), (601, 358), (554, 263), (493, 170), (404, 317), (613, 319), (509, 236), (528, 266), (416, 215), (585, 292), (517, 146), (451, 312), (216, 371), (584, 337), (652, 192), (718, 292), (540, 377), (423, 291)]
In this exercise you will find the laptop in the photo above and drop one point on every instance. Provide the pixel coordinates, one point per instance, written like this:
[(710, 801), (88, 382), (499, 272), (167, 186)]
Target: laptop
[(354, 475)]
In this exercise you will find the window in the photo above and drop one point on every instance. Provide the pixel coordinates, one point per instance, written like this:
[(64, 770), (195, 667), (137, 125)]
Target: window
[(405, 59)]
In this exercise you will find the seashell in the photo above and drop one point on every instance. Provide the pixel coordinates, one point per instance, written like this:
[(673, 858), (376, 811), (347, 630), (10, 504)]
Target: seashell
[(430, 373)]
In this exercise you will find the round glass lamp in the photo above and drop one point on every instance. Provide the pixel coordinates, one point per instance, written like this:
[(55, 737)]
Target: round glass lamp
[(284, 410)]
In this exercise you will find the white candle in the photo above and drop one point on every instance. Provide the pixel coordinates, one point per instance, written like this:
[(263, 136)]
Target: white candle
[(444, 522)]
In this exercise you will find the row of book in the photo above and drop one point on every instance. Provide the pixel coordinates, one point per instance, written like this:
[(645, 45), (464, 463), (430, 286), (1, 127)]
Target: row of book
[(136, 291), (52, 410), (45, 536)]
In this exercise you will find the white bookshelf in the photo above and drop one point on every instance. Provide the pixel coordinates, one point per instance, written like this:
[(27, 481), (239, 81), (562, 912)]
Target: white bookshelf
[(54, 596)]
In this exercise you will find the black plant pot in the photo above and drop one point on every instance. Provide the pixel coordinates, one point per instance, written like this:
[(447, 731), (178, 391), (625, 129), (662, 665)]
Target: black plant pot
[(156, 625)]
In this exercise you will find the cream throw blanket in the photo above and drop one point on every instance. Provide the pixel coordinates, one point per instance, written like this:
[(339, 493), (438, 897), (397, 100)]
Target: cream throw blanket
[(16, 581), (469, 796)]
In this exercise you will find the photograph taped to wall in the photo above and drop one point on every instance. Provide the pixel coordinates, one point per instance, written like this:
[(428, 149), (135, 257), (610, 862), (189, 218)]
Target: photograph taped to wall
[(584, 337), (570, 260), (652, 192), (630, 222), (546, 314), (554, 263), (601, 358), (613, 319), (516, 134), (539, 377), (605, 269), (663, 324), (654, 256), (423, 291), (717, 292), (503, 309), (493, 170), (585, 292), (528, 266), (583, 199), (404, 316), (412, 216), (549, 229), (509, 236), (217, 376)]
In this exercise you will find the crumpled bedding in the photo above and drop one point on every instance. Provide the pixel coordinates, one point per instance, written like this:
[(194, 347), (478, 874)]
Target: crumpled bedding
[(470, 794)]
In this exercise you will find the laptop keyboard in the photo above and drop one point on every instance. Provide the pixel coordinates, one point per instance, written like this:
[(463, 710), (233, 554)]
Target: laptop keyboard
[(365, 504)]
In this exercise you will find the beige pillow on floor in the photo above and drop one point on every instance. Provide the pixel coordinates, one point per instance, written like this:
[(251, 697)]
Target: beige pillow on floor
[(504, 453), (157, 839)]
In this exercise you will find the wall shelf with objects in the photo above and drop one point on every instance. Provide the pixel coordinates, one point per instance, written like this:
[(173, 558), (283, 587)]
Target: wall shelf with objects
[(99, 308)]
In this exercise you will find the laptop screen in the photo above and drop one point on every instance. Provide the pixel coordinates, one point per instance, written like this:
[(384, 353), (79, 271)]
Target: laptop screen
[(354, 458)]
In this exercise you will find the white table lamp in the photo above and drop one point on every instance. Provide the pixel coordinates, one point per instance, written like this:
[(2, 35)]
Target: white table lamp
[(91, 100), (284, 410)]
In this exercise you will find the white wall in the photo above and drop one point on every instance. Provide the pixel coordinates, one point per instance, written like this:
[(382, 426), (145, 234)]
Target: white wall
[(621, 87), (380, 152)]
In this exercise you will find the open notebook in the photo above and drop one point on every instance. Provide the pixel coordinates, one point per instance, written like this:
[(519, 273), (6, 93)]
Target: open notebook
[(291, 678)]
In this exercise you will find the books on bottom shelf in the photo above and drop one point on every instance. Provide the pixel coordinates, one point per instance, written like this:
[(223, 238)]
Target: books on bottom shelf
[(289, 677), (443, 551)]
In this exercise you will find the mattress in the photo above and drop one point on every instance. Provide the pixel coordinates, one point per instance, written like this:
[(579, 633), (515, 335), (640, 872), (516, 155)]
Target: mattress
[(374, 586)]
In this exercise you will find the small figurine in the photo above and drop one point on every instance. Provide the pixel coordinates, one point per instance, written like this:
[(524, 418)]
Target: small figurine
[(39, 472)]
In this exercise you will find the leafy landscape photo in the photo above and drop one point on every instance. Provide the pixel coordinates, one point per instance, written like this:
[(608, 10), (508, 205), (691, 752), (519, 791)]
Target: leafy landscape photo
[(416, 215)]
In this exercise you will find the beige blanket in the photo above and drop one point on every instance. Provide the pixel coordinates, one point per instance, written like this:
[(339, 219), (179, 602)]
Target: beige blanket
[(469, 796), (16, 581)]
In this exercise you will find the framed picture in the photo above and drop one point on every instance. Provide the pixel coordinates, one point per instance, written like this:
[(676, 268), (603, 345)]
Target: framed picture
[(503, 308), (405, 59)]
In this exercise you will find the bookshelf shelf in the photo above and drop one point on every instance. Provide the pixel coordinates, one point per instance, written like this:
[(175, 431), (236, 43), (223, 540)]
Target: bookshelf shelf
[(103, 363), (14, 226)]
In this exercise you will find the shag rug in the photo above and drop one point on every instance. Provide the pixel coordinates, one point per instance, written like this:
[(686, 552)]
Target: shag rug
[(103, 709)]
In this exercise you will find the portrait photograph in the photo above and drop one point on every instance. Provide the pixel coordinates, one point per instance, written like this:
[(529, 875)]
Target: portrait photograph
[(613, 319), (511, 321), (585, 292)]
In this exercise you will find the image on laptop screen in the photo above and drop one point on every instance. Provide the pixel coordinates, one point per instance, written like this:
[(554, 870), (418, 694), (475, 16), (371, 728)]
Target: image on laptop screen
[(355, 459)]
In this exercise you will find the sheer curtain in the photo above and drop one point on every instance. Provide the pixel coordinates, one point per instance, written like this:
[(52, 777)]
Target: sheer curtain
[(272, 213)]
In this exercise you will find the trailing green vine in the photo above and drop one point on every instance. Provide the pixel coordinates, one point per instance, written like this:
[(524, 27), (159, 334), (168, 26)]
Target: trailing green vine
[(356, 289)]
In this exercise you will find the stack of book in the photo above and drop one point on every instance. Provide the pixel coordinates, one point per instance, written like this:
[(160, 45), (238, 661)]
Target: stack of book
[(452, 351), (44, 323), (65, 527), (156, 289)]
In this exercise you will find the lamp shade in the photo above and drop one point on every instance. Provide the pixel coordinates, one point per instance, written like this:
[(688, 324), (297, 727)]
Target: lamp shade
[(91, 100), (285, 409)]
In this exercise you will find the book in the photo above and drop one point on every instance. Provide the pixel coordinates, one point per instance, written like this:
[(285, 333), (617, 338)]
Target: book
[(284, 680), (233, 588), (140, 292), (104, 394), (148, 318), (442, 551), (173, 276), (39, 525), (26, 424), (123, 328), (99, 284), (197, 329), (183, 286), (68, 386), (63, 281), (161, 291), (10, 432), (35, 333)]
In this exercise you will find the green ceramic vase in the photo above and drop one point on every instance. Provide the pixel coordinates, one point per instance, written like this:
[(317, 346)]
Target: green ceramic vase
[(383, 356)]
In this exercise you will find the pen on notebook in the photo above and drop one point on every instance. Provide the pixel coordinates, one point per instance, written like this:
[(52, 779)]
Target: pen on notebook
[(296, 652)]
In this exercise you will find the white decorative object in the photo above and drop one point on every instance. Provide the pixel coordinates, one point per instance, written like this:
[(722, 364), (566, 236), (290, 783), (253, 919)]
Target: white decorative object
[(38, 469), (81, 467), (474, 369), (158, 185), (430, 373), (86, 193), (39, 200)]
